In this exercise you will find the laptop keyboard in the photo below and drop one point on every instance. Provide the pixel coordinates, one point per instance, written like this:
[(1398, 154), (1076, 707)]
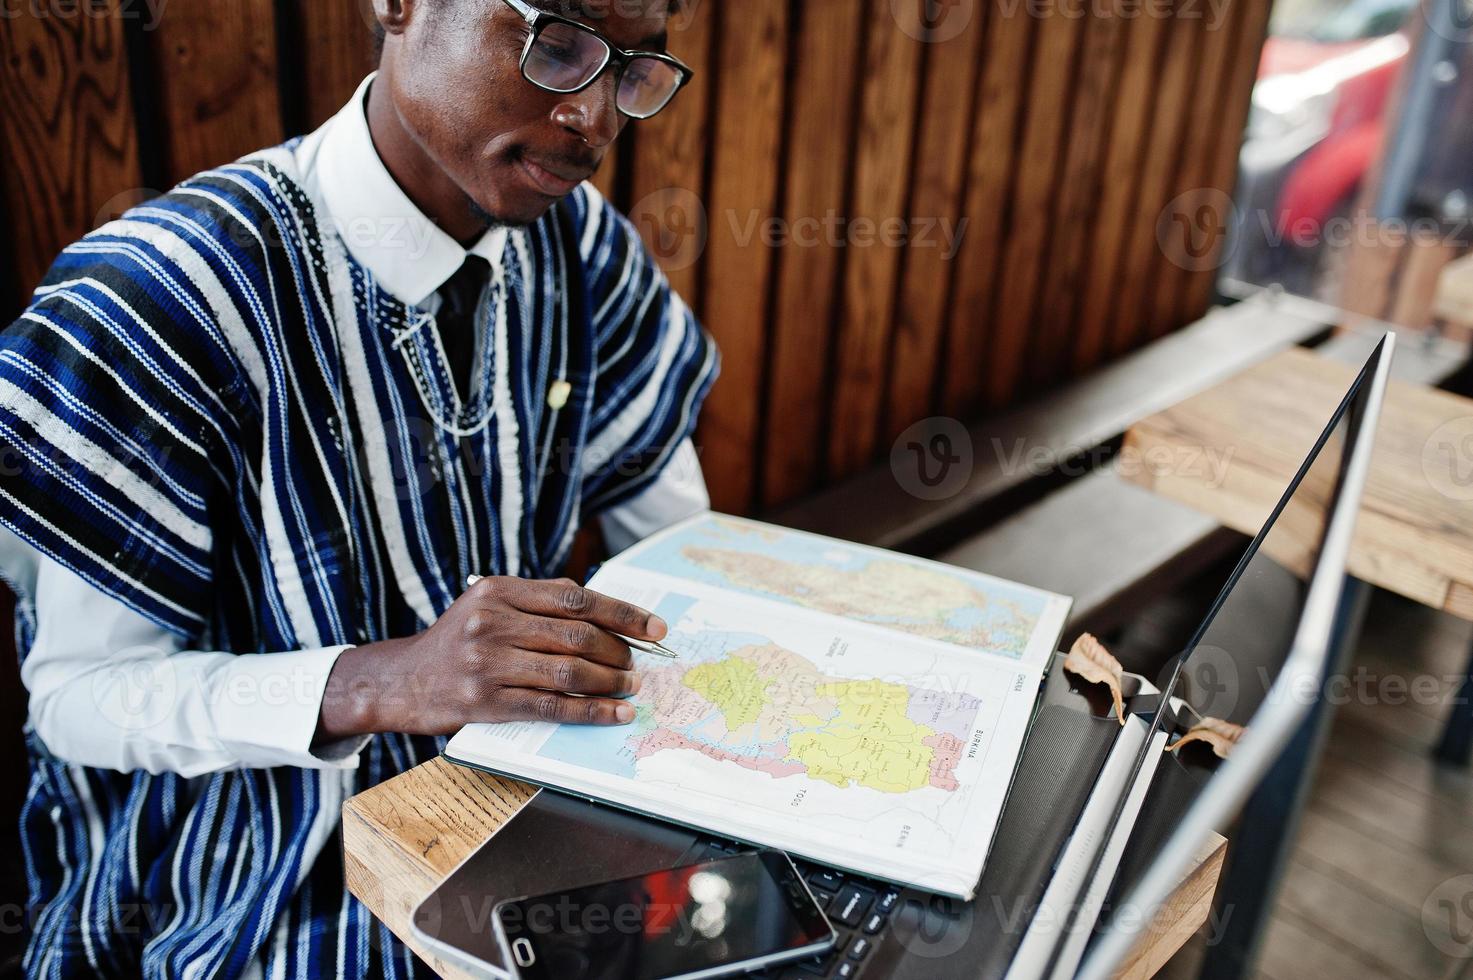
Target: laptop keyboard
[(858, 908)]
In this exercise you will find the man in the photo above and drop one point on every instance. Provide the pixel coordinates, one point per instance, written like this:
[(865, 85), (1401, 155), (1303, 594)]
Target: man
[(268, 424)]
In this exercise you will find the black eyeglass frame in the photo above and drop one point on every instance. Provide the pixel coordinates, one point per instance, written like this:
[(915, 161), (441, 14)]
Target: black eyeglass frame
[(539, 20)]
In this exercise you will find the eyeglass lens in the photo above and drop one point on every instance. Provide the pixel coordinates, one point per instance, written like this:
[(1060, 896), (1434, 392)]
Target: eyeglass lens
[(564, 59), (647, 87)]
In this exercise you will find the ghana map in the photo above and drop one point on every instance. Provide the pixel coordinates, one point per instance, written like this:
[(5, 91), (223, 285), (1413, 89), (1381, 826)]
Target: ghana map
[(839, 702)]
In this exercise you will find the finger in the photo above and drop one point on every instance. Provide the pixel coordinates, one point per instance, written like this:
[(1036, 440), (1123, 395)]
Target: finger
[(566, 599), (575, 638), (570, 675), (522, 704)]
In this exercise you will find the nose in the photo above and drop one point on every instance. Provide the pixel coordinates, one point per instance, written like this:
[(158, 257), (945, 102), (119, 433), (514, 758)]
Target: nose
[(592, 114)]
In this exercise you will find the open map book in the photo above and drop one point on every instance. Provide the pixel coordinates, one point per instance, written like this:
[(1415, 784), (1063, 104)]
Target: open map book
[(860, 708)]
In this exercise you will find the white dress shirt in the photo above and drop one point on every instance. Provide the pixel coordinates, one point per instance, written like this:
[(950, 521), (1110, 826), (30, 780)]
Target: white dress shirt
[(111, 689)]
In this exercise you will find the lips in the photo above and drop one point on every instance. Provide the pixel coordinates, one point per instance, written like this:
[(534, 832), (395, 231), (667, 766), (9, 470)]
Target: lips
[(552, 179)]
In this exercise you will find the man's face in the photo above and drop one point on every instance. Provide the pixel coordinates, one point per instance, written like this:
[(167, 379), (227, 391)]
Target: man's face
[(511, 147)]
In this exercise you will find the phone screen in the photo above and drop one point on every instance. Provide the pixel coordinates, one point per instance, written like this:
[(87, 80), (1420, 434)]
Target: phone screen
[(674, 923)]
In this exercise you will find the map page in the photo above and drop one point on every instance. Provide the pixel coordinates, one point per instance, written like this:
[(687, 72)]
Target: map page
[(922, 598), (862, 735)]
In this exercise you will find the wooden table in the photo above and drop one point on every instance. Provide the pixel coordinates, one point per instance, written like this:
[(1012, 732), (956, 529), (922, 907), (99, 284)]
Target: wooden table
[(1414, 535), (1231, 450), (405, 836)]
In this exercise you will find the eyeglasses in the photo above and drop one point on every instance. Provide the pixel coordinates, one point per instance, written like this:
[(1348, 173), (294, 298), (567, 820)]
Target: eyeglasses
[(565, 56)]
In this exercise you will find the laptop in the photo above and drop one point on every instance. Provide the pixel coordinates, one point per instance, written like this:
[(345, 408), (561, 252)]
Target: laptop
[(1274, 617)]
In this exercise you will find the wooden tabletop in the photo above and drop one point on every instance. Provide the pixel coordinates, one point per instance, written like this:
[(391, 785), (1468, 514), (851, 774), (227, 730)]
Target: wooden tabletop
[(405, 836), (1231, 450)]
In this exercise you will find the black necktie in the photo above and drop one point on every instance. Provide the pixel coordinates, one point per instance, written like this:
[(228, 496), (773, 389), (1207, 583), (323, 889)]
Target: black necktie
[(460, 296)]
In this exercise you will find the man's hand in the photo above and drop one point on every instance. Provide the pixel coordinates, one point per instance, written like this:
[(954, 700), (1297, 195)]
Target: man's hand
[(507, 650)]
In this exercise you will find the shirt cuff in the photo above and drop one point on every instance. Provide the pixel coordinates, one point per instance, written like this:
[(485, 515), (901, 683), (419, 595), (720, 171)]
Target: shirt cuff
[(268, 706)]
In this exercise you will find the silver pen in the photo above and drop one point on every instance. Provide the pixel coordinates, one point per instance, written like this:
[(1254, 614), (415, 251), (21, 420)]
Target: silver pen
[(644, 646)]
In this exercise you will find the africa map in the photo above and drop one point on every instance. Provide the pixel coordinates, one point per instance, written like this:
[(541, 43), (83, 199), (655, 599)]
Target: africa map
[(920, 598), (744, 700)]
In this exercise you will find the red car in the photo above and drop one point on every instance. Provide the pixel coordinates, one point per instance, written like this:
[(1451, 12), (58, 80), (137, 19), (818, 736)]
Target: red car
[(1318, 116)]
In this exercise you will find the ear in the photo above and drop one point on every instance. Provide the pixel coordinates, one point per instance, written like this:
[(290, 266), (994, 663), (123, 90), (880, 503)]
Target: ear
[(393, 15)]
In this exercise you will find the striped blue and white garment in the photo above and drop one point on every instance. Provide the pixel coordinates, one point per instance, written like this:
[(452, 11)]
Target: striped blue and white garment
[(223, 421)]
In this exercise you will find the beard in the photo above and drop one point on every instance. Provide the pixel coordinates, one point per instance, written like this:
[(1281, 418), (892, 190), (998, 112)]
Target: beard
[(491, 221)]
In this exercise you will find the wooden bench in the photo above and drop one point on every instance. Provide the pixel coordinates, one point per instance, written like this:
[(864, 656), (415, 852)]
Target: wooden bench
[(1021, 454), (1415, 533)]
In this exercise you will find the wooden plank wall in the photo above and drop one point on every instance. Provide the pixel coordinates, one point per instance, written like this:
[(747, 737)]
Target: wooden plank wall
[(883, 209)]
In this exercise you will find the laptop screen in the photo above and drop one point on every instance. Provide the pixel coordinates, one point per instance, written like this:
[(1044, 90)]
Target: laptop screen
[(1240, 648), (1239, 651)]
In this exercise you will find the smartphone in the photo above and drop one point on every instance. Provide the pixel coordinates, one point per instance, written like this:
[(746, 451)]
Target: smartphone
[(741, 913)]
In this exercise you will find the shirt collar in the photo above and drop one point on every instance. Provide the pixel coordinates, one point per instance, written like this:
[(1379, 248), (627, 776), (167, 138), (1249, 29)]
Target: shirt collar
[(407, 253)]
